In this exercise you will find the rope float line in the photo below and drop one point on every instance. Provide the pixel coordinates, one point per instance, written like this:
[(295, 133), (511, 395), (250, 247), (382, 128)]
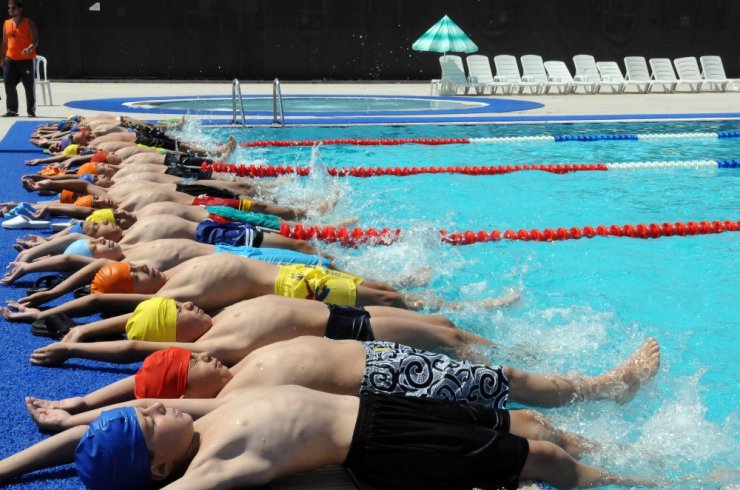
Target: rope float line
[(252, 170), (386, 236), (504, 139)]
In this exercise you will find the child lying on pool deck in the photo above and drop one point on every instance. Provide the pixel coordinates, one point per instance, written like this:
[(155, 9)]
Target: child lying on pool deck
[(263, 435)]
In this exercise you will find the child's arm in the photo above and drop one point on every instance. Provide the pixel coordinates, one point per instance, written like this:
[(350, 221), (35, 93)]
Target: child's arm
[(56, 420), (53, 246), (118, 392), (57, 263), (87, 305), (101, 328), (60, 209), (80, 278), (54, 451), (114, 351)]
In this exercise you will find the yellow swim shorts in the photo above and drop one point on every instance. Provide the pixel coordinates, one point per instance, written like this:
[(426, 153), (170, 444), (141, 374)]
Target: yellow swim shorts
[(317, 283)]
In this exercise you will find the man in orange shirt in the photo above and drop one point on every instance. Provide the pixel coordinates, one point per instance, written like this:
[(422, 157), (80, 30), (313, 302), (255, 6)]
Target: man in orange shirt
[(20, 40)]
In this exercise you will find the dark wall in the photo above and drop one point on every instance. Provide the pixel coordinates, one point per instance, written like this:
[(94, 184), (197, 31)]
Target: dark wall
[(361, 39)]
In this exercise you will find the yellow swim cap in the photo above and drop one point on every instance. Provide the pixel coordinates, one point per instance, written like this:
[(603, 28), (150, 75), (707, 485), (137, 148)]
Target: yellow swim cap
[(154, 319), (71, 150), (102, 216)]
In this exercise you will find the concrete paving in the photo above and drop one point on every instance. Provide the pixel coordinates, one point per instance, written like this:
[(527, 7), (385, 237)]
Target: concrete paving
[(679, 104)]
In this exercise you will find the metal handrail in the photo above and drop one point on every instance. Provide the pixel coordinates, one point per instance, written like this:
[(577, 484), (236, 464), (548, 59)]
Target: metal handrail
[(277, 96), (236, 88)]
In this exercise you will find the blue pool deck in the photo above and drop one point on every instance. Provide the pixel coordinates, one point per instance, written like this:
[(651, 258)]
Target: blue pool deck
[(75, 97)]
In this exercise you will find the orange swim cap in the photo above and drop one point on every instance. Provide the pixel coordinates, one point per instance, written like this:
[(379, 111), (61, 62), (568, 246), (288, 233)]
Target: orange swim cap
[(163, 374), (99, 157), (113, 278), (85, 201), (66, 197), (88, 168)]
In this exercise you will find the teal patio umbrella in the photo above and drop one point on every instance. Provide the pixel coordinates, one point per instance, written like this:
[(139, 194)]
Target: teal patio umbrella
[(443, 37)]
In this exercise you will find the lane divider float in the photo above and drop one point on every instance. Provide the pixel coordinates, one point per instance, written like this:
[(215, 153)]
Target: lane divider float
[(387, 236), (253, 171), (499, 139)]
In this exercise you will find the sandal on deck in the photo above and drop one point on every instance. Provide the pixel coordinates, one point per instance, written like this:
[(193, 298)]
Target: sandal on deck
[(56, 326), (82, 291), (45, 283)]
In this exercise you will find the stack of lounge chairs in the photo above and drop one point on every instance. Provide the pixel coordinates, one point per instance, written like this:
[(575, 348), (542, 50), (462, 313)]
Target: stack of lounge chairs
[(538, 76)]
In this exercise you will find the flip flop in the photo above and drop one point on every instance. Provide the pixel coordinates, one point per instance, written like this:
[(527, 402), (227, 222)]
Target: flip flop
[(63, 226), (23, 209), (82, 291), (56, 326), (21, 222), (44, 283)]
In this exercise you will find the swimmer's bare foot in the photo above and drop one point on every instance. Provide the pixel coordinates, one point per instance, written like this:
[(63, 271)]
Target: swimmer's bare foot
[(419, 278), (327, 206), (351, 221), (228, 148), (501, 301), (621, 383)]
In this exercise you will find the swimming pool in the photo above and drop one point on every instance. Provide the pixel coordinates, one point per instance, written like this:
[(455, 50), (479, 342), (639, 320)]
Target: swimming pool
[(312, 109), (586, 303), (312, 104)]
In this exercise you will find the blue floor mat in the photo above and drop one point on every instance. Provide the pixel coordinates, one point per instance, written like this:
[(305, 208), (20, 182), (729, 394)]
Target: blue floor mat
[(17, 377)]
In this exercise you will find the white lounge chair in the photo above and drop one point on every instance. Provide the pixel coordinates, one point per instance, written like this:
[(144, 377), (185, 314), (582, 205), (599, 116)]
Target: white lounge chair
[(663, 74), (638, 74), (507, 70), (713, 72), (534, 71), (587, 71), (688, 73), (453, 76), (610, 72), (557, 70), (479, 71)]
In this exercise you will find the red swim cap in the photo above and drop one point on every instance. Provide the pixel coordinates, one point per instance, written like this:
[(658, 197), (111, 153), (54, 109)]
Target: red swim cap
[(163, 374), (113, 278), (99, 157)]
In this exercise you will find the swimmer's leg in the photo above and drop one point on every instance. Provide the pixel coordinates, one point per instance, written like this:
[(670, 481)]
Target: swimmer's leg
[(274, 240), (551, 464), (619, 384), (434, 303), (429, 332), (533, 425)]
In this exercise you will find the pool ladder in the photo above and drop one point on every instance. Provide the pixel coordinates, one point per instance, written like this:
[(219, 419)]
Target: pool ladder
[(236, 89), (277, 96), (277, 102)]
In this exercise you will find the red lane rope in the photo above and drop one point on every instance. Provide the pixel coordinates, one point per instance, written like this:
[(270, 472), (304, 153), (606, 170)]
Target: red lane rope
[(273, 171), (359, 142), (386, 236)]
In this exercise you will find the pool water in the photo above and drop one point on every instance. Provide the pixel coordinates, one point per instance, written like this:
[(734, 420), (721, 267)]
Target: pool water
[(586, 304), (322, 104)]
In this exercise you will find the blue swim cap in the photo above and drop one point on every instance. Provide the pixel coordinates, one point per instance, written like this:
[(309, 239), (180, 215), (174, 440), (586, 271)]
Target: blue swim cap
[(65, 141), (88, 177), (77, 228), (112, 454), (61, 124), (74, 128), (79, 247)]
